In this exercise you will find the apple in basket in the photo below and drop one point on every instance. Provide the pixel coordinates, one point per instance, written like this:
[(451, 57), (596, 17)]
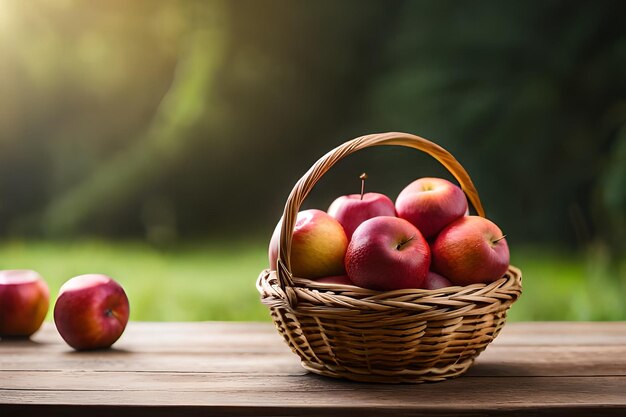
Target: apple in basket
[(471, 250), (337, 279), (91, 311), (24, 299), (431, 204), (318, 246), (353, 209), (435, 281), (387, 253)]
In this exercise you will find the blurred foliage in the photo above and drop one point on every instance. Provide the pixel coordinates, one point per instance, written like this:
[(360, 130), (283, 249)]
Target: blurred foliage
[(179, 119), (531, 96)]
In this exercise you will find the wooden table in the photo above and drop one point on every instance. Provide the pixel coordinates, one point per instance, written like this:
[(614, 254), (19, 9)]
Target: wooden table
[(245, 369)]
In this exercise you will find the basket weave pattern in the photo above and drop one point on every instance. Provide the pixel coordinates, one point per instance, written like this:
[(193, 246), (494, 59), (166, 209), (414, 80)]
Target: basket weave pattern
[(409, 335)]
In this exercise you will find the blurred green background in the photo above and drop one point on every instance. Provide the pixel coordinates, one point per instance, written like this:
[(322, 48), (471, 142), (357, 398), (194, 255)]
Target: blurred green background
[(156, 141)]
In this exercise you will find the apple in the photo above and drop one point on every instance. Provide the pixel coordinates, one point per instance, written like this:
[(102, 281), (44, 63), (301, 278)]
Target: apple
[(387, 253), (24, 300), (337, 279), (91, 311), (435, 281), (353, 209), (318, 245), (471, 250), (431, 204)]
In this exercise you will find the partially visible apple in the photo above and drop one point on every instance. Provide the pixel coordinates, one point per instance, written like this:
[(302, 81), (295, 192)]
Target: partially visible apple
[(337, 279), (435, 281), (91, 311), (471, 250), (430, 204), (318, 245), (387, 253), (353, 209), (24, 300)]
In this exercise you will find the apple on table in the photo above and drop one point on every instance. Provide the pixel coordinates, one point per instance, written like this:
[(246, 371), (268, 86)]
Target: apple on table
[(353, 209), (387, 253), (318, 246), (471, 250), (24, 301), (91, 311)]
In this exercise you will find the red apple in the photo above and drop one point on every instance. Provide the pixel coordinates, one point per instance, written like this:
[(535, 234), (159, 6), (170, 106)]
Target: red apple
[(471, 250), (431, 204), (318, 245), (435, 281), (353, 209), (337, 279), (24, 299), (91, 311), (387, 253)]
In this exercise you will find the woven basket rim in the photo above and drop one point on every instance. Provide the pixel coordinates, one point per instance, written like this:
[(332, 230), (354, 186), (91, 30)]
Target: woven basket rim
[(310, 294), (315, 285)]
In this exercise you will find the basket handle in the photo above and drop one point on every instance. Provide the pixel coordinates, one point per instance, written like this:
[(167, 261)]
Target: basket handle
[(304, 186)]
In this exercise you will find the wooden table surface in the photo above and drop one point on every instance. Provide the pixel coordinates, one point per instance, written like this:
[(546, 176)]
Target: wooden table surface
[(246, 369)]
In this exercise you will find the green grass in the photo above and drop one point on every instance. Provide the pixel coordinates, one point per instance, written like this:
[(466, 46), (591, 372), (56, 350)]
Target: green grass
[(569, 286), (194, 282), (211, 281)]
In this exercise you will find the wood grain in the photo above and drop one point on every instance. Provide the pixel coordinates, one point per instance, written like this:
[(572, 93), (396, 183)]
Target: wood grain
[(246, 369)]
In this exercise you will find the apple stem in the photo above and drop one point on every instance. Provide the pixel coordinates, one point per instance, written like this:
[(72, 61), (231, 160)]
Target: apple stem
[(108, 312), (400, 245), (363, 177), (499, 239)]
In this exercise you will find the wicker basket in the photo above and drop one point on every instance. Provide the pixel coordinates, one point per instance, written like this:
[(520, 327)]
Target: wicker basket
[(411, 335)]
